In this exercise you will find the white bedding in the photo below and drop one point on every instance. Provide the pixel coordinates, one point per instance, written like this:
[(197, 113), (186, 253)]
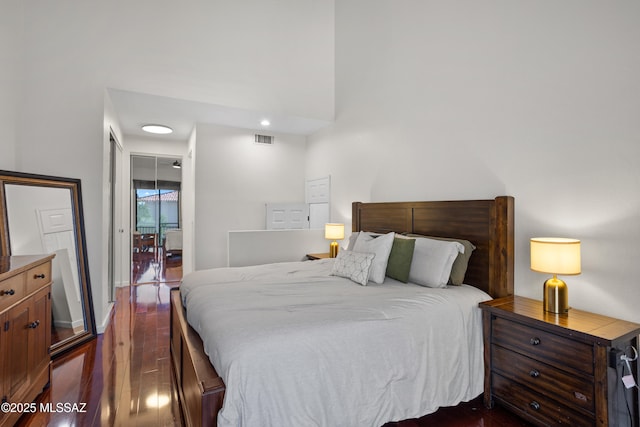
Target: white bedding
[(298, 347)]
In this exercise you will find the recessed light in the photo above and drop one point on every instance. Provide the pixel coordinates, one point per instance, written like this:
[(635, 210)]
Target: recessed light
[(265, 122), (157, 129)]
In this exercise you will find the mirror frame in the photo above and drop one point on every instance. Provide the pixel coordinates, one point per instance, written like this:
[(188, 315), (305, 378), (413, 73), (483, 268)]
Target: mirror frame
[(72, 184)]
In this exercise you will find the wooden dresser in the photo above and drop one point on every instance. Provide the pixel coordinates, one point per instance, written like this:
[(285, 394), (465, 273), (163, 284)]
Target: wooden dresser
[(558, 369), (25, 331)]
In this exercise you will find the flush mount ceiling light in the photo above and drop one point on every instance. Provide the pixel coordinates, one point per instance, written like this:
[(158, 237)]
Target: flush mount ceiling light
[(265, 122), (157, 129), (176, 164)]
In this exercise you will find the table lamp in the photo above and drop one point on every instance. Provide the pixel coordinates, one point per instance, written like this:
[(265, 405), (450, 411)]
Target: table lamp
[(555, 255), (333, 232)]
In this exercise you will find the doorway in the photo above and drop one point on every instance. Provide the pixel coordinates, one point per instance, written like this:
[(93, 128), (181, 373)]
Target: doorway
[(156, 249)]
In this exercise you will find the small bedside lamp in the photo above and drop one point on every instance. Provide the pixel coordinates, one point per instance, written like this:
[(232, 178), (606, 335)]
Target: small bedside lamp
[(555, 255), (333, 232)]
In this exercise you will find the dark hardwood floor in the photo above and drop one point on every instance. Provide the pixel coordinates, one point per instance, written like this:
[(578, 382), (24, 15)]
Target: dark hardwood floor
[(123, 377)]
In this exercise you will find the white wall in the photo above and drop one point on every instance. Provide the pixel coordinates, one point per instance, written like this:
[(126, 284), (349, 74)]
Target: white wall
[(274, 56), (235, 178), (11, 59), (539, 100)]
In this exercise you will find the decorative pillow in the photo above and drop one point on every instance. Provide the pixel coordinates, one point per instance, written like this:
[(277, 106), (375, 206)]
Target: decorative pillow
[(353, 265), (399, 263), (459, 268), (381, 247), (432, 262)]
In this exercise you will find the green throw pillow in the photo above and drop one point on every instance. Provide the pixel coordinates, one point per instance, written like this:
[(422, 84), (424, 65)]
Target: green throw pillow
[(400, 258)]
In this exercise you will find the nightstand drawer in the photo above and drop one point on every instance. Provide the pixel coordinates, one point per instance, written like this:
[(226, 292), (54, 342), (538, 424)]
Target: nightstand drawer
[(537, 406), (549, 348), (552, 382)]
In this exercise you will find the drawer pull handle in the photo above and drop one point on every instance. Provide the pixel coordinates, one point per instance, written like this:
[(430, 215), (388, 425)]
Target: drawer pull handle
[(580, 396), (33, 325), (39, 276), (534, 373), (8, 292), (535, 405), (534, 341)]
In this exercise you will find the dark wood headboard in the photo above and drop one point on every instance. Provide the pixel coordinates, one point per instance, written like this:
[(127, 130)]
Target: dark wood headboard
[(488, 224)]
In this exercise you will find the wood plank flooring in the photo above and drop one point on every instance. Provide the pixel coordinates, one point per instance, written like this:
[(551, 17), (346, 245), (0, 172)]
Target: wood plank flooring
[(124, 376)]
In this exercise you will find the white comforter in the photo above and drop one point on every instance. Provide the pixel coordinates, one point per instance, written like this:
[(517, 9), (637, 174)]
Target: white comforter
[(296, 346)]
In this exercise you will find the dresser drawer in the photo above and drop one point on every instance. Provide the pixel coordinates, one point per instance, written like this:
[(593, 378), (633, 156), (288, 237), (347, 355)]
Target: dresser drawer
[(549, 348), (12, 290), (535, 405), (38, 276), (572, 390)]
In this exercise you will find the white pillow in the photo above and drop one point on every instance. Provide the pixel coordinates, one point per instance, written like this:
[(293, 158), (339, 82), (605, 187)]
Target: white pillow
[(353, 265), (354, 236), (352, 240), (381, 247), (432, 261)]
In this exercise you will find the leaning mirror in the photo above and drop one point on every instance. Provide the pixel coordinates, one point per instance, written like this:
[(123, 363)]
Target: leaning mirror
[(43, 214)]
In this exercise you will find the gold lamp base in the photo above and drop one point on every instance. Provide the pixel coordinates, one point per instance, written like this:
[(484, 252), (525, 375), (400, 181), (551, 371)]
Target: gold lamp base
[(556, 296), (333, 249)]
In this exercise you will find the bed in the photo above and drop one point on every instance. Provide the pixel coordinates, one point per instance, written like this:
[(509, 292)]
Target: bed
[(279, 375)]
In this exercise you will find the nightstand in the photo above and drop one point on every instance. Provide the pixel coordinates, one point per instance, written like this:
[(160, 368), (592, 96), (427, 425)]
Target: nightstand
[(558, 369), (318, 256)]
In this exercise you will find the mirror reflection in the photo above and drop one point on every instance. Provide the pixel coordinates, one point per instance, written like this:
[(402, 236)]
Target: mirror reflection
[(41, 217)]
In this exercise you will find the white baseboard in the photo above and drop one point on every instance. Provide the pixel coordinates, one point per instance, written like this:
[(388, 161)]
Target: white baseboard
[(68, 324), (100, 328)]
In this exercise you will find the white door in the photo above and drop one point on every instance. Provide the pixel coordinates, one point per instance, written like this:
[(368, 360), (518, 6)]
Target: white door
[(318, 190), (317, 194), (287, 216), (318, 215)]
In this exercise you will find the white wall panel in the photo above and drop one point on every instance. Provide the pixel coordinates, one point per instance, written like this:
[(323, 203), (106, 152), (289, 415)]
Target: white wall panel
[(265, 246)]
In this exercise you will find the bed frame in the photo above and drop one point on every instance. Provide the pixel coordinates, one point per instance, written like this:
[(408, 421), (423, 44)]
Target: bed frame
[(488, 224)]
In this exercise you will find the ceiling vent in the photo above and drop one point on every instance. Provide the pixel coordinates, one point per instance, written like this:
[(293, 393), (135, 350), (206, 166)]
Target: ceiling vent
[(264, 139)]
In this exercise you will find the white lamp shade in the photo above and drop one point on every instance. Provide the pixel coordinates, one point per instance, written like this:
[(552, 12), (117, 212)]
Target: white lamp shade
[(555, 255), (334, 231)]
